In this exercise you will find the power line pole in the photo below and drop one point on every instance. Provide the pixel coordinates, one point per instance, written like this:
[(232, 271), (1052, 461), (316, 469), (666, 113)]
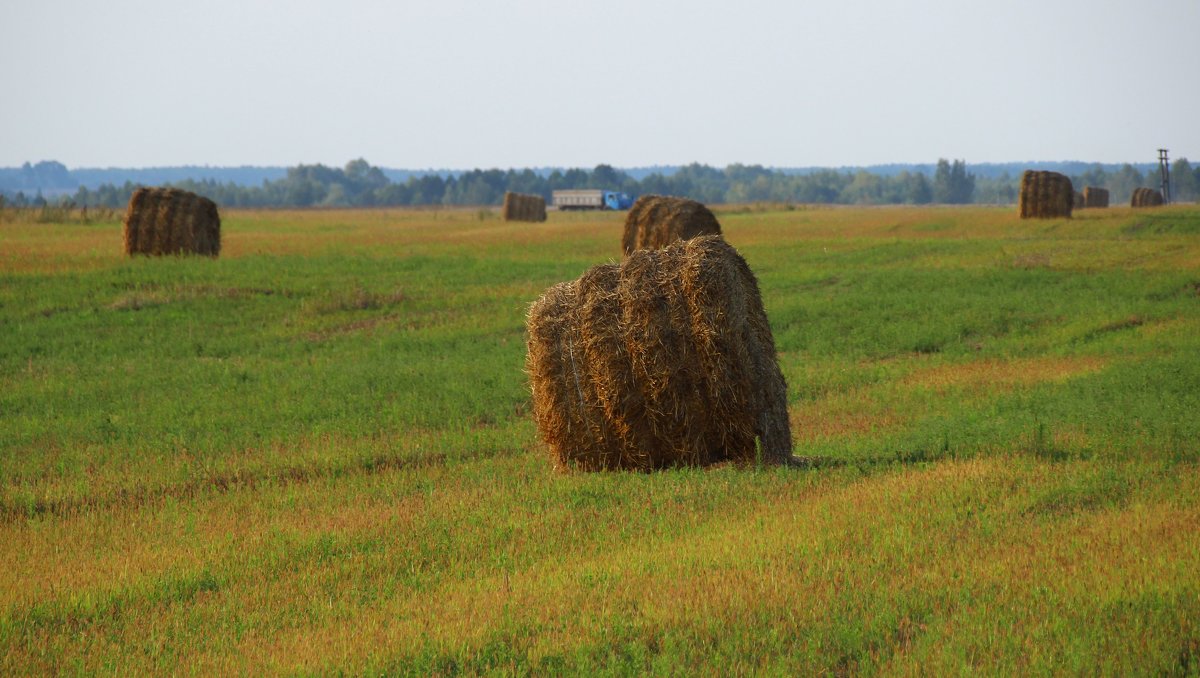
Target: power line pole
[(1164, 169)]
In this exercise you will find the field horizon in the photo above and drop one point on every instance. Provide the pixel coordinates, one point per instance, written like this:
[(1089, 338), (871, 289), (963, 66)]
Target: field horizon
[(314, 454)]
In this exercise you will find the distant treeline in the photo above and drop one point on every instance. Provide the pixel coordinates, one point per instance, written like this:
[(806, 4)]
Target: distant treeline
[(360, 184)]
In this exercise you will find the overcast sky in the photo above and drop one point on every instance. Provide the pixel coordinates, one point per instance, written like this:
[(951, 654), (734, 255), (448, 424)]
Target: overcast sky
[(465, 84)]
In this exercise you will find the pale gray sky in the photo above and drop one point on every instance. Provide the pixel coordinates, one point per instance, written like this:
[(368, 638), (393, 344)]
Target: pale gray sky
[(463, 84)]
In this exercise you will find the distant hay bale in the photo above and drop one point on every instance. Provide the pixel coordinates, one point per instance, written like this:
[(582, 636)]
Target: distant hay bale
[(1146, 197), (522, 207), (163, 221), (1077, 200), (1095, 197), (664, 360), (508, 208), (1045, 195), (656, 221)]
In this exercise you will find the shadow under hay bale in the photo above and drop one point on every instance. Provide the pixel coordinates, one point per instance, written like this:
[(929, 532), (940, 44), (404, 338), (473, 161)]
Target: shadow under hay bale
[(1095, 197), (522, 207), (664, 360), (1146, 197), (1045, 195), (165, 221), (656, 221)]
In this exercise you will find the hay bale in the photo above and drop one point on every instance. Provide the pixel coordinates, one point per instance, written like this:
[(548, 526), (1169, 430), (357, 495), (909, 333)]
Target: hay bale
[(1146, 197), (656, 221), (507, 209), (1077, 200), (522, 207), (664, 360), (162, 221), (1045, 195), (1095, 197)]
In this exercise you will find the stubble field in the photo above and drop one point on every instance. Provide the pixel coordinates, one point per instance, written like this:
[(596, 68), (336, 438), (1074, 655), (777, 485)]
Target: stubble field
[(315, 454)]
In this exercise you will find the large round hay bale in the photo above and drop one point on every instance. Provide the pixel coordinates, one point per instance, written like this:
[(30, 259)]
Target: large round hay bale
[(522, 207), (1045, 195), (163, 221), (656, 221), (664, 360), (1145, 197), (1095, 197)]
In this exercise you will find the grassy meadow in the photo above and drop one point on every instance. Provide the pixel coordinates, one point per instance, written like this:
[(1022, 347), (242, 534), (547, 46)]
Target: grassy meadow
[(315, 454)]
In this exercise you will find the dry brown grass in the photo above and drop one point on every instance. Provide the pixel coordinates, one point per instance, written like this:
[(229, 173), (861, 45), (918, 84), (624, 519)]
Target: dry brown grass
[(839, 418), (873, 410), (57, 248), (993, 375)]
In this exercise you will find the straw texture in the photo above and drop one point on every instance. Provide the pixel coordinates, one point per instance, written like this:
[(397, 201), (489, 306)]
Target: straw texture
[(1045, 195), (522, 207), (165, 221), (664, 360), (656, 221)]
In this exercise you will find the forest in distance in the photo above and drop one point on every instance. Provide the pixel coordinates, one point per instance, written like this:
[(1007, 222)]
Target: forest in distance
[(360, 184)]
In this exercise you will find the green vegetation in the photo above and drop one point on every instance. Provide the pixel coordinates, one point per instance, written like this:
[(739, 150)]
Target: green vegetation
[(359, 184), (314, 454)]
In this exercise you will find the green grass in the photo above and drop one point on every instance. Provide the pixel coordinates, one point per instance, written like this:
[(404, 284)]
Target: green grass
[(315, 455)]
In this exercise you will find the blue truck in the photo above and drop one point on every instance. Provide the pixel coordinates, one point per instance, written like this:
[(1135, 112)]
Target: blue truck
[(592, 199)]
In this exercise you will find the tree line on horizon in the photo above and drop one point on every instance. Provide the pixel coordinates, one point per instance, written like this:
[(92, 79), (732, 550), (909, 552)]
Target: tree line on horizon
[(359, 184)]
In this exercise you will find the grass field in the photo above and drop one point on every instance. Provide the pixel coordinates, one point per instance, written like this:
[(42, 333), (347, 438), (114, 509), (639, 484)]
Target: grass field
[(315, 454)]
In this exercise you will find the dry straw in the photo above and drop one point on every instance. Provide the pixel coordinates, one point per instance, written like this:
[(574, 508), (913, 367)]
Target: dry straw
[(163, 221), (522, 207), (664, 360), (1045, 195), (656, 221), (1145, 197), (1095, 197)]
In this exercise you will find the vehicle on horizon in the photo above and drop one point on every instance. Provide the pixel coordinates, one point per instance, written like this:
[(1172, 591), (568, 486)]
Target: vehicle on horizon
[(591, 199)]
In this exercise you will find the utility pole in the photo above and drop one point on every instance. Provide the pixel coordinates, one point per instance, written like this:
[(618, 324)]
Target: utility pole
[(1164, 169)]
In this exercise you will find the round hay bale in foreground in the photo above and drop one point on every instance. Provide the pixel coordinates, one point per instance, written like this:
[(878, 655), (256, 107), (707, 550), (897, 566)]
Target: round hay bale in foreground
[(656, 221), (664, 360), (1045, 195), (1146, 197), (164, 221)]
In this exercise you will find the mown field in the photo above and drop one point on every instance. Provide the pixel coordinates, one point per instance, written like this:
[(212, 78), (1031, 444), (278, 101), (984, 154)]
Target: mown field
[(315, 455)]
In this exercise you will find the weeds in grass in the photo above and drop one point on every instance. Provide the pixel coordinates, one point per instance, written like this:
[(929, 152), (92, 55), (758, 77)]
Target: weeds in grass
[(357, 299)]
